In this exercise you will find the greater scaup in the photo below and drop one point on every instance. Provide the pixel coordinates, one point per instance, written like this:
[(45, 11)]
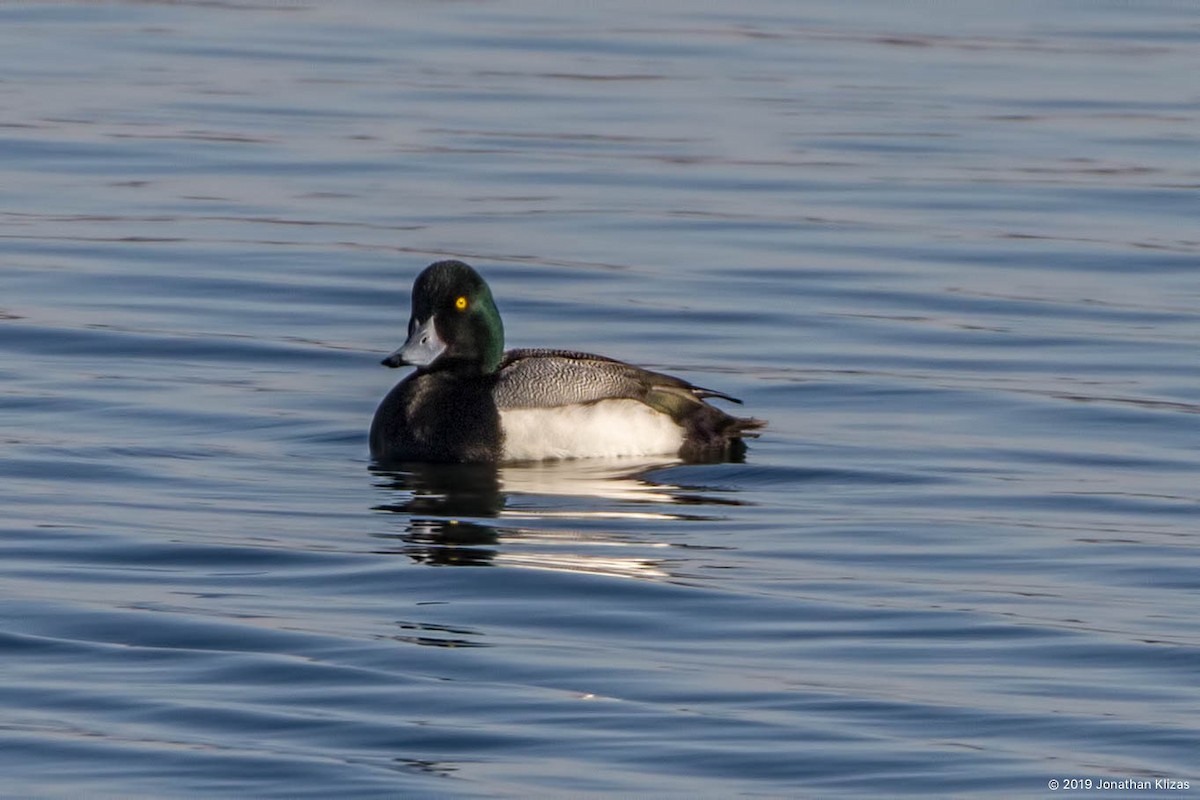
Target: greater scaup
[(470, 401)]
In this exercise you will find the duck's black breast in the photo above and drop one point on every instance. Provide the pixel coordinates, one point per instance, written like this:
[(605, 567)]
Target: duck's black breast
[(438, 416)]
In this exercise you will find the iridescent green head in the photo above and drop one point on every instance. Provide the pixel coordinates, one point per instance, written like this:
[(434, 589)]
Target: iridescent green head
[(454, 322)]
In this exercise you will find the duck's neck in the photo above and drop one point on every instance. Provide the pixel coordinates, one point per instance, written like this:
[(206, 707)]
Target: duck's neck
[(465, 368), (493, 351)]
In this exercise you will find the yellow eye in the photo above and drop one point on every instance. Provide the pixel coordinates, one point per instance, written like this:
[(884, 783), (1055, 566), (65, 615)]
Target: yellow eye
[(461, 303)]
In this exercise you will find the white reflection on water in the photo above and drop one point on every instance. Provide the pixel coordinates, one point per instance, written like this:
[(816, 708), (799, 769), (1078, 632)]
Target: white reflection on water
[(610, 479), (644, 569)]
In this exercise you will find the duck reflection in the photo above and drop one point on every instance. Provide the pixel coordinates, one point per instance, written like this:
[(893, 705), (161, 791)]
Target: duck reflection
[(448, 512), (469, 490)]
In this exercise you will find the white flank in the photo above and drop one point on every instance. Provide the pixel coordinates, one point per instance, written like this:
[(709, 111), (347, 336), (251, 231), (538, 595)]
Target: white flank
[(597, 430)]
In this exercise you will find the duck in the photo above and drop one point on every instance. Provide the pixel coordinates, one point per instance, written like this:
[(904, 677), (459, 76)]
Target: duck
[(471, 401)]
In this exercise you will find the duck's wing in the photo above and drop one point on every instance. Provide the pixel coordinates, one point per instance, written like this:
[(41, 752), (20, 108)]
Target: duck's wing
[(542, 378), (550, 378)]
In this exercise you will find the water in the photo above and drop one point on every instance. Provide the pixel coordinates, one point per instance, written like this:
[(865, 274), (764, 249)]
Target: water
[(950, 252)]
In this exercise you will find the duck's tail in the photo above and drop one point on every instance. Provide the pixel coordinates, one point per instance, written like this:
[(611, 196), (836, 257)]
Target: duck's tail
[(713, 435)]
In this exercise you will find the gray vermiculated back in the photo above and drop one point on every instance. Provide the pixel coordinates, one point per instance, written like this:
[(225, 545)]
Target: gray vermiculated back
[(548, 378)]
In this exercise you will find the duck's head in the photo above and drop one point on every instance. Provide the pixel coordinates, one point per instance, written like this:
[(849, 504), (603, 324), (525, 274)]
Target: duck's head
[(454, 321)]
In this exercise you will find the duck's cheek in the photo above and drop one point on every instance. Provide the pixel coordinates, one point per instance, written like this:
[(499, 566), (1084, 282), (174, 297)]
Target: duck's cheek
[(423, 347), (609, 428)]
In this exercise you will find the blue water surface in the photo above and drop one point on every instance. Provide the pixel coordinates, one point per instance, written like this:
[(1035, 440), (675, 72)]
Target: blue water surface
[(950, 252)]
